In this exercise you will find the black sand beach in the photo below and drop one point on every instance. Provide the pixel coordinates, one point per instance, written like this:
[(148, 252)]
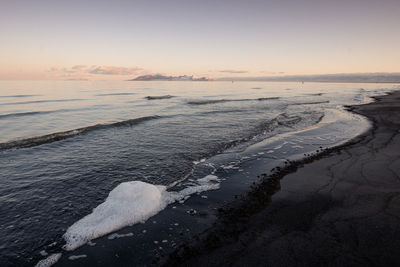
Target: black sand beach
[(339, 208)]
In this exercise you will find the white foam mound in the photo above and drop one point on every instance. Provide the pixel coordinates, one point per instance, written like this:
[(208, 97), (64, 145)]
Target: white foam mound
[(49, 261), (127, 204)]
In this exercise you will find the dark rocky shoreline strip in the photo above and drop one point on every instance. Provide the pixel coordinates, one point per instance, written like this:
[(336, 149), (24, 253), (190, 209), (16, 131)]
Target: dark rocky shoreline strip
[(340, 207)]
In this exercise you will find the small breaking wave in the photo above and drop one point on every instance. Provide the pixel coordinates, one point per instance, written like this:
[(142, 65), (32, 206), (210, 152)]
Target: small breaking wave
[(215, 101), (310, 103), (206, 102), (292, 121), (157, 97), (32, 113), (19, 96), (314, 94), (49, 138), (111, 94), (22, 114), (267, 98)]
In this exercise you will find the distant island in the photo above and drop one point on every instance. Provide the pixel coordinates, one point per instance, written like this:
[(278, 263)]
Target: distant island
[(159, 77)]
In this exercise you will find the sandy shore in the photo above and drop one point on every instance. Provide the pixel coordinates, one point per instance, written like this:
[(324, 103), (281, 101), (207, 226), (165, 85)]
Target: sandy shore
[(341, 208)]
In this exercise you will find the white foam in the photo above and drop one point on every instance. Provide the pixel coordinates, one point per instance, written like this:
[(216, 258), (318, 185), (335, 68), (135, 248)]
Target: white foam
[(281, 145), (116, 235), (127, 204), (359, 98), (49, 261), (297, 146), (208, 178), (376, 93), (75, 257)]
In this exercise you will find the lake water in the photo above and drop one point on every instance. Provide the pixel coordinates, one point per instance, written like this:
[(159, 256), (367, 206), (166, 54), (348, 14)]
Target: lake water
[(65, 145)]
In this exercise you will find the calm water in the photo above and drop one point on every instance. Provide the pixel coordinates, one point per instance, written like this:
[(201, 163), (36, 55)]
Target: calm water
[(65, 145)]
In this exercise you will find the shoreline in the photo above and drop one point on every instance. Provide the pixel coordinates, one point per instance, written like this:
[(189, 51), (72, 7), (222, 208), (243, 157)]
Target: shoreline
[(179, 223), (277, 208)]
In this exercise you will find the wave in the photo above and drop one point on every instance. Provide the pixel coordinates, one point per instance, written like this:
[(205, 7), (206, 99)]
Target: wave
[(293, 121), (32, 113), (215, 101), (115, 94), (18, 96), (311, 103), (159, 97), (25, 114), (267, 98), (42, 101), (207, 113), (50, 138), (205, 102), (314, 94), (287, 120)]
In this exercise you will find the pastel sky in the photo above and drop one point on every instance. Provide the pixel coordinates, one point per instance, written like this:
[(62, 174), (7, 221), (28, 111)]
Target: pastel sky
[(121, 39)]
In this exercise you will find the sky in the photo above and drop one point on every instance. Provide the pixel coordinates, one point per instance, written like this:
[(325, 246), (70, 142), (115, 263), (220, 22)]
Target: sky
[(121, 39)]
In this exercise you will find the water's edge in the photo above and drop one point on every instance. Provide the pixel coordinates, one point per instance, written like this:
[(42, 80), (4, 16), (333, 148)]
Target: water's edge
[(279, 168)]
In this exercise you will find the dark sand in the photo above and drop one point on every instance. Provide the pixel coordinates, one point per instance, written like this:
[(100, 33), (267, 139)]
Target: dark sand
[(341, 208)]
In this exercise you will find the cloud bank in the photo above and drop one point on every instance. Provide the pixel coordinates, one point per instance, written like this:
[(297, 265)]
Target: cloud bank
[(107, 70), (84, 72), (160, 77), (233, 71)]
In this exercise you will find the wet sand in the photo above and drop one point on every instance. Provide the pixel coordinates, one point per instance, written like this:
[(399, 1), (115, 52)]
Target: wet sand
[(338, 208)]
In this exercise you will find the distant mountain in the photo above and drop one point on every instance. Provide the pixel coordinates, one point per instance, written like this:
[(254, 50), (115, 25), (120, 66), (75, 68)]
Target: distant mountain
[(159, 77), (341, 77)]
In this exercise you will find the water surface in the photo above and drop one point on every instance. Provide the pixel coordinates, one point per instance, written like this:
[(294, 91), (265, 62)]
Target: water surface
[(65, 145)]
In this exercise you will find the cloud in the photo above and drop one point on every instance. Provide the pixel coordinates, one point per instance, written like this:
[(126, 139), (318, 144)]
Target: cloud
[(90, 72), (273, 72), (233, 71), (79, 67), (110, 70)]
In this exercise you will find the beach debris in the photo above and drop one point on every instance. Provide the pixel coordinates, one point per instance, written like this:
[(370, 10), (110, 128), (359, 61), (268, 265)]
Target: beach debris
[(43, 253), (116, 235), (191, 211)]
